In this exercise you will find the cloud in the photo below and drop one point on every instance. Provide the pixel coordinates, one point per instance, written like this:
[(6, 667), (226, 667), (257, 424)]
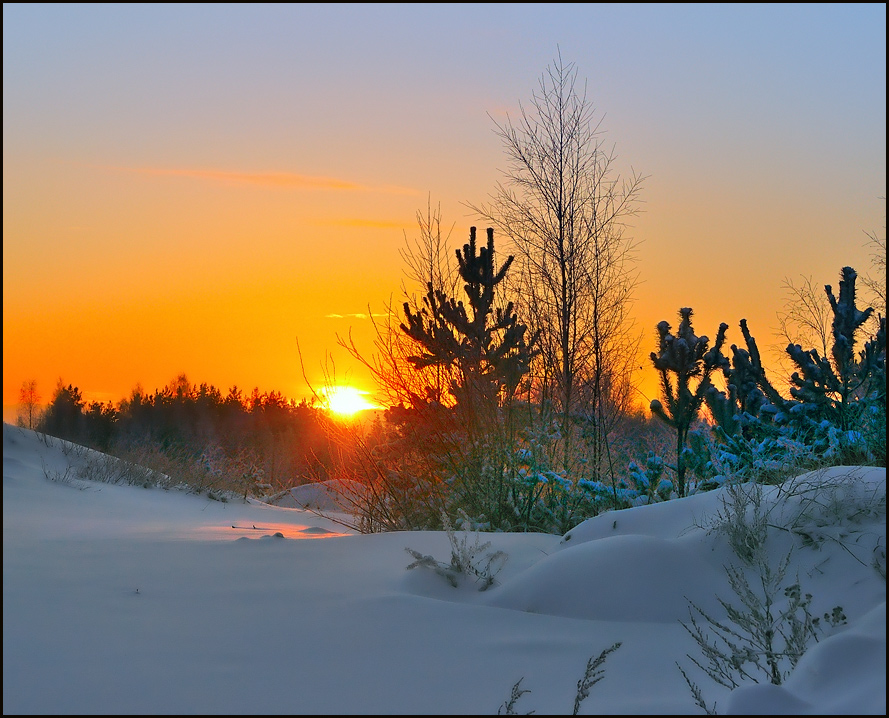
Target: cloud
[(363, 223), (358, 315), (283, 180)]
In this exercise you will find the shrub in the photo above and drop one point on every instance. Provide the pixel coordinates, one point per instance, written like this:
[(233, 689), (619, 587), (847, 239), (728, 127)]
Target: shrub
[(466, 558)]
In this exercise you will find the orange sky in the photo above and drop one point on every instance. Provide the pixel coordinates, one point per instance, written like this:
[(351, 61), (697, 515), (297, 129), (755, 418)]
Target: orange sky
[(193, 192)]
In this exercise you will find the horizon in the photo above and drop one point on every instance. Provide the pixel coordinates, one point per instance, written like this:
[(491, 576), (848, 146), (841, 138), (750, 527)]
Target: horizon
[(223, 191)]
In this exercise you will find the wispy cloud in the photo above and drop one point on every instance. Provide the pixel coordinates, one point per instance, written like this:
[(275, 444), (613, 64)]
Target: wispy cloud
[(363, 223), (358, 315), (283, 180)]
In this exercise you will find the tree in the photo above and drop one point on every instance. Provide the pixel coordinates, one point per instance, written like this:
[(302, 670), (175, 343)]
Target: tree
[(806, 317), (485, 343), (837, 408), (876, 283), (29, 404), (689, 360), (449, 372), (427, 259), (487, 351), (563, 209), (63, 417), (830, 387)]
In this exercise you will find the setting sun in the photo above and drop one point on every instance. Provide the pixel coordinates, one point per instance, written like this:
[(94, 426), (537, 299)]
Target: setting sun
[(346, 400)]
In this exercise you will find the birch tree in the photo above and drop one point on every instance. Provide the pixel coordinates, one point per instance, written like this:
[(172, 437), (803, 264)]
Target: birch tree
[(563, 207)]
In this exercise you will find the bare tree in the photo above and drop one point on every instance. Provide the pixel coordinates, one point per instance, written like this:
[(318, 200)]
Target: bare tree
[(428, 258), (876, 282), (564, 209), (29, 404), (806, 317)]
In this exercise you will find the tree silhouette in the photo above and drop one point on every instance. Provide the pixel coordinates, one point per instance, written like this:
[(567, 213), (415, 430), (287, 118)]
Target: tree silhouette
[(469, 441), (563, 208), (29, 404), (486, 343), (686, 358)]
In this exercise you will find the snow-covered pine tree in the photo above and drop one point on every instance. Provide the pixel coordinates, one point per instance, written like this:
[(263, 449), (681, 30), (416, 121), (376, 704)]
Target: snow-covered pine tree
[(839, 391), (687, 359), (837, 404)]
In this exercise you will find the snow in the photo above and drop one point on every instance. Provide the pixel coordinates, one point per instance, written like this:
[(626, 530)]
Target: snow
[(120, 599)]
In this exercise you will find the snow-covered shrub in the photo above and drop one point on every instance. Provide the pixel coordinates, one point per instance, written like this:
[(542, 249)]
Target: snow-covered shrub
[(826, 506), (649, 481), (764, 637), (816, 507), (769, 624), (744, 522), (467, 558)]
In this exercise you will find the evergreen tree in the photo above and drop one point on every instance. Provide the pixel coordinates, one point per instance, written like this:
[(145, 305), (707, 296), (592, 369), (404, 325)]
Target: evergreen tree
[(751, 401), (831, 387), (63, 417), (837, 401), (686, 357), (487, 344), (485, 347), (837, 389)]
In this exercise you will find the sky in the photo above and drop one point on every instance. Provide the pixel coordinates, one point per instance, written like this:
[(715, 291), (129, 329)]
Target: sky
[(223, 190), (119, 599)]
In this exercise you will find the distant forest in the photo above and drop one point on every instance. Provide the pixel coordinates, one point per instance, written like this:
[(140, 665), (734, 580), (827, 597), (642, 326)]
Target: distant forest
[(233, 441)]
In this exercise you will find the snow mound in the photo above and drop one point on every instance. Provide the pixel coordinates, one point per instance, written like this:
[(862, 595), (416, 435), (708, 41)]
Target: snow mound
[(611, 579), (828, 678), (335, 495)]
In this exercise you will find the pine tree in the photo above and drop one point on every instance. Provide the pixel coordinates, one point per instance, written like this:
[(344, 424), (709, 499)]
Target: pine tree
[(487, 344), (751, 401), (63, 417), (688, 358), (486, 348), (831, 387), (842, 392)]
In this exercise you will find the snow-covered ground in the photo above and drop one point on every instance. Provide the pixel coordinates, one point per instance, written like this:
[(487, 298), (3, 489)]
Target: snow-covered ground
[(120, 599)]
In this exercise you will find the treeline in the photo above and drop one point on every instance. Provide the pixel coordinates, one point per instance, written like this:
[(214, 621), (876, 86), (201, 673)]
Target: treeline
[(256, 443)]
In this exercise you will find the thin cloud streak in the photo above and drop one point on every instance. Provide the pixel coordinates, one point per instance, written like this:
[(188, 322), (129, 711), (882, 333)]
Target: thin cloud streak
[(363, 223), (359, 315), (284, 180)]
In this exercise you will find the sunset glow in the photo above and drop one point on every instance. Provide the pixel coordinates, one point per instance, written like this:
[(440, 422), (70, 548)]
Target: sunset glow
[(226, 191), (346, 401)]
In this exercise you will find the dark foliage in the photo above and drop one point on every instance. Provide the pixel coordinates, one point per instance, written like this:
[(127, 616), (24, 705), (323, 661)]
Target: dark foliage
[(688, 360), (263, 434)]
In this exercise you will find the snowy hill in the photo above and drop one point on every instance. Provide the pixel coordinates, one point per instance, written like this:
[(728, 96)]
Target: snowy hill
[(121, 599)]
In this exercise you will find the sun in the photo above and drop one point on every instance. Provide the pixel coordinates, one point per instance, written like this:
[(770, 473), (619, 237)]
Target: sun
[(346, 400)]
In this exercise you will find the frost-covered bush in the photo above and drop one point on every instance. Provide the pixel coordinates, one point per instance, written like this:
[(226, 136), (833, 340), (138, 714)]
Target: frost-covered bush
[(470, 559), (766, 632), (768, 622), (543, 496), (649, 480)]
